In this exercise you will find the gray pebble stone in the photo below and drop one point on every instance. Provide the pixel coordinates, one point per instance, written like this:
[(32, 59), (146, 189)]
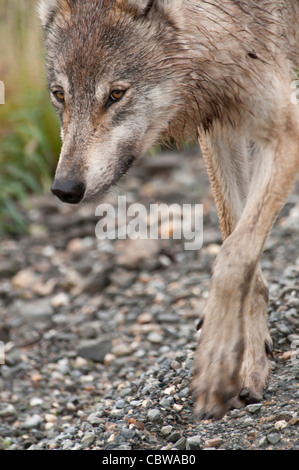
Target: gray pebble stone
[(254, 408), (128, 433), (193, 443), (120, 404), (273, 438), (166, 430), (262, 442), (67, 445), (6, 409), (155, 338), (33, 422), (174, 437), (94, 350), (154, 415), (88, 440), (93, 418), (181, 444)]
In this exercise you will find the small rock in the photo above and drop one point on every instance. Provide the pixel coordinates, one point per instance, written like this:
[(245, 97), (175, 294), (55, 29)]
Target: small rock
[(181, 444), (33, 422), (94, 350), (248, 422), (262, 442), (145, 318), (166, 430), (166, 402), (254, 408), (214, 442), (6, 409), (154, 415), (7, 268), (194, 443), (67, 445), (60, 300), (94, 419), (121, 349), (273, 438), (136, 254), (128, 433), (155, 338), (50, 418), (4, 333), (35, 309), (36, 402), (279, 425), (283, 329), (24, 279), (174, 437), (88, 440), (122, 278), (97, 281), (120, 404)]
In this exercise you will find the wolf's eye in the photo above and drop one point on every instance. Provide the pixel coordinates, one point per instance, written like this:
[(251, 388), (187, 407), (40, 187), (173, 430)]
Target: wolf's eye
[(117, 95), (59, 95)]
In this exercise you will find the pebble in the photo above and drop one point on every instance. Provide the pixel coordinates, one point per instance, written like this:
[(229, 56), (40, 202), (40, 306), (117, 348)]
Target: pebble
[(174, 437), (273, 438), (181, 444), (36, 402), (33, 422), (166, 430), (254, 408), (194, 443), (67, 445), (154, 415), (7, 409), (35, 309), (279, 425), (94, 350), (88, 440), (155, 338)]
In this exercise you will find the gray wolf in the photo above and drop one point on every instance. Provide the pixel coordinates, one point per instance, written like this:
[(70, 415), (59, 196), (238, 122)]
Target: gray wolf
[(124, 73)]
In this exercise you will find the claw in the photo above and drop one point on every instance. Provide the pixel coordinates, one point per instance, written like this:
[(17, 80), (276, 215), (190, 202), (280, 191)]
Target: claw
[(199, 324), (269, 350)]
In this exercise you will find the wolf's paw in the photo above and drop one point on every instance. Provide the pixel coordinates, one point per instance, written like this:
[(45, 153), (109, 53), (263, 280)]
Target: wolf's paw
[(221, 382), (255, 372), (216, 379)]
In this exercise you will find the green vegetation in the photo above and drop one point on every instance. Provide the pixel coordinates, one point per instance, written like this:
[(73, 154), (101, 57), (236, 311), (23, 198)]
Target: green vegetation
[(29, 129)]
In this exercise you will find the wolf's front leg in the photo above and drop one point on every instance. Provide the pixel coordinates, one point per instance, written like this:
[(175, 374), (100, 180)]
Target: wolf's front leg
[(220, 352), (231, 356)]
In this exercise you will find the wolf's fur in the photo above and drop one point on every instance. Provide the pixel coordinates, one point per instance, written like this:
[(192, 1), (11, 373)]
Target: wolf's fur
[(218, 71)]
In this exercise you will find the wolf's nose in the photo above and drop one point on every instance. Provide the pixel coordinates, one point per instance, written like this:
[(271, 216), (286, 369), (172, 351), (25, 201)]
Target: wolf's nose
[(68, 191)]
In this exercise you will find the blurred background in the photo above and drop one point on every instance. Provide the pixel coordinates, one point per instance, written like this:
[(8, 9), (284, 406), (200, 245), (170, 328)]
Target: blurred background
[(29, 128)]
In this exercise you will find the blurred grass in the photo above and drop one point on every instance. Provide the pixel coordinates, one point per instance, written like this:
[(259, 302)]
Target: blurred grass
[(29, 128)]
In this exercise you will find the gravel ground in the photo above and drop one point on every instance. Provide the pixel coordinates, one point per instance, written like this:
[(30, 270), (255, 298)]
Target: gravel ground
[(100, 335)]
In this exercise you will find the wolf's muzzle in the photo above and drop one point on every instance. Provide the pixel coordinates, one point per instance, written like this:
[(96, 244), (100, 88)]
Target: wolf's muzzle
[(70, 192)]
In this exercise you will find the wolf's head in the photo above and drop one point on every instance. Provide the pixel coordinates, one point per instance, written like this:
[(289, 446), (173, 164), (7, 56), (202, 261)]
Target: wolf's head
[(113, 81)]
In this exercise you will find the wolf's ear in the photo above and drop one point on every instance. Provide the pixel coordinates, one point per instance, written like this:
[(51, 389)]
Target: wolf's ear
[(46, 8), (137, 7), (171, 9)]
